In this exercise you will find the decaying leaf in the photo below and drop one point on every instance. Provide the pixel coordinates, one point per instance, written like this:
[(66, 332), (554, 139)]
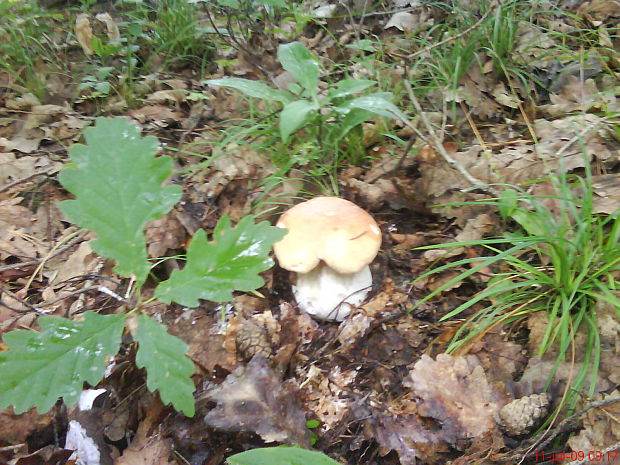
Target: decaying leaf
[(601, 427), (559, 141), (112, 28), (253, 399), (328, 394), (606, 190), (79, 263), (84, 33), (163, 234), (406, 435), (147, 446), (456, 392), (576, 95)]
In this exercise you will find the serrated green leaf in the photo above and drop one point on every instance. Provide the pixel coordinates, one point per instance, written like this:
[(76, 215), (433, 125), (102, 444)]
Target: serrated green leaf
[(251, 88), (168, 369), (298, 61), (294, 115), (230, 262), (40, 367), (280, 456), (117, 182)]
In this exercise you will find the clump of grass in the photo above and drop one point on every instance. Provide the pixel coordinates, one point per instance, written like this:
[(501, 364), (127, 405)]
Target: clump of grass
[(177, 35), (24, 43), (560, 260)]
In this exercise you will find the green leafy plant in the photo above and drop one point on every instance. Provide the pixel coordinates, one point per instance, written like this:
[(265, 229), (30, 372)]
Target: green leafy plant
[(561, 260), (303, 105), (326, 125), (237, 22), (117, 181), (25, 44), (312, 425), (177, 37), (98, 83), (282, 455)]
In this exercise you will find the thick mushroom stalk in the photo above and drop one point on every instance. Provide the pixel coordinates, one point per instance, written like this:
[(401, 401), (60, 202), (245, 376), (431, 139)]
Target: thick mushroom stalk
[(330, 243), (330, 295)]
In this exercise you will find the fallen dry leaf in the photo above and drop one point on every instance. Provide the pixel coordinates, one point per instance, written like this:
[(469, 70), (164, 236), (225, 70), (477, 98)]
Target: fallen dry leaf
[(456, 392), (159, 115), (576, 95), (606, 190), (405, 22), (399, 428), (163, 234), (79, 263), (84, 33), (601, 427), (112, 28), (328, 394), (15, 429), (148, 446), (253, 399), (474, 229)]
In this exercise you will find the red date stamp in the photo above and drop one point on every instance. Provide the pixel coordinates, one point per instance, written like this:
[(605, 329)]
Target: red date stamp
[(577, 455)]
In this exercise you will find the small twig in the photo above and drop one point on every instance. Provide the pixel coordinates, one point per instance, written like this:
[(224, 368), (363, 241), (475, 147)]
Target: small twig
[(457, 36), (50, 254), (30, 307), (397, 166), (601, 453), (38, 172), (58, 251), (564, 426), (11, 448), (437, 143)]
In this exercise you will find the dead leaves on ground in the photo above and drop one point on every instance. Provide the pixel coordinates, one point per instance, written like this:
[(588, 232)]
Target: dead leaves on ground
[(252, 398), (268, 369)]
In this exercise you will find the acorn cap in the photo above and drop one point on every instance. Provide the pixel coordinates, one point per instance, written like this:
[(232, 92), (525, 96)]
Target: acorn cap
[(331, 229)]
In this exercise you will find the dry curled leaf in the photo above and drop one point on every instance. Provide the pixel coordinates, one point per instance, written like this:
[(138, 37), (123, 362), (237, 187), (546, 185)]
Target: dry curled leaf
[(84, 33), (399, 428), (456, 392), (253, 399)]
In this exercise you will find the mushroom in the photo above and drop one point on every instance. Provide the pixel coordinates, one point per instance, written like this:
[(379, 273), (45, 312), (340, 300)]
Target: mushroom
[(329, 244)]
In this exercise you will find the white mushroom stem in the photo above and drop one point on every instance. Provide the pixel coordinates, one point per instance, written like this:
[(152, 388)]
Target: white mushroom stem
[(329, 295)]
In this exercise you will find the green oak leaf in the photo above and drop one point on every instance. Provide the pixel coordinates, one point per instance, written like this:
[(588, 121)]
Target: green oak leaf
[(282, 455), (40, 367), (231, 261), (167, 368), (117, 182)]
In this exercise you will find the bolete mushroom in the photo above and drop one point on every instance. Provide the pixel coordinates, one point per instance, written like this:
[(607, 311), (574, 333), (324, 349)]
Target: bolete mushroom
[(329, 244)]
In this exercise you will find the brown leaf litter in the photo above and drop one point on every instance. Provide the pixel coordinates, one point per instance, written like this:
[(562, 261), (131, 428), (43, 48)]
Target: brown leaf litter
[(252, 398)]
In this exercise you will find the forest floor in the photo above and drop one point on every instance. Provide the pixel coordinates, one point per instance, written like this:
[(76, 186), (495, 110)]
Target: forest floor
[(465, 97)]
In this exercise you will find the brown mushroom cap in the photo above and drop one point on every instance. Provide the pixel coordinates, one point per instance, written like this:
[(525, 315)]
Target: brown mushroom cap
[(331, 229)]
